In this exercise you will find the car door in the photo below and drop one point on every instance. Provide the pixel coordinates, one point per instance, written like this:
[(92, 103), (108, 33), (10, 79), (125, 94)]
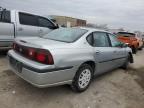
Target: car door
[(6, 29), (102, 52), (45, 26), (119, 52), (27, 25)]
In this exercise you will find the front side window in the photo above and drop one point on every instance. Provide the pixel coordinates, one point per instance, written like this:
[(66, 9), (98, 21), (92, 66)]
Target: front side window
[(43, 22), (114, 40), (28, 19), (100, 39), (5, 16), (65, 34)]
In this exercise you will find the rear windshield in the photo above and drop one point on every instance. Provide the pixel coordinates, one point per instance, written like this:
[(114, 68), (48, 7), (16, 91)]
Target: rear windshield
[(65, 34), (126, 34)]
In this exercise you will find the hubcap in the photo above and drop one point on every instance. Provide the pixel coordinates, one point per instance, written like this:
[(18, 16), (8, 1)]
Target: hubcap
[(84, 78)]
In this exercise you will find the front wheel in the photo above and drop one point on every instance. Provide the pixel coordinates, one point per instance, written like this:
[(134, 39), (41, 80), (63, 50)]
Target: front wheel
[(82, 78), (134, 50), (125, 65)]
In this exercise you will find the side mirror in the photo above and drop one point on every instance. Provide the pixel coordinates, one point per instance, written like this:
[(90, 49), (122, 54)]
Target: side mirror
[(122, 45), (125, 45), (119, 44)]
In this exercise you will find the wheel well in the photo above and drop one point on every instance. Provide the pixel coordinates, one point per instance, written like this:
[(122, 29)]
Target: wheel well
[(138, 44), (91, 63), (131, 60), (134, 46)]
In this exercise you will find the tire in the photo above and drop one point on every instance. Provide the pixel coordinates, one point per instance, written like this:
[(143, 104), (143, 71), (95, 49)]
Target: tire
[(82, 78), (134, 50), (125, 65)]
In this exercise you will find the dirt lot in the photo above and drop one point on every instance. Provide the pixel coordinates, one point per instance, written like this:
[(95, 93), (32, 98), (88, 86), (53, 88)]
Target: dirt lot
[(117, 89)]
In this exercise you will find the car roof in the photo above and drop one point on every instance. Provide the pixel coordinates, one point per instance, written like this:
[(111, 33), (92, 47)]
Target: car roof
[(126, 33)]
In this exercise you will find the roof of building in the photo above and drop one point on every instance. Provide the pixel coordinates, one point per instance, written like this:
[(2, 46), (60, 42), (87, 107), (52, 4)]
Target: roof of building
[(66, 17)]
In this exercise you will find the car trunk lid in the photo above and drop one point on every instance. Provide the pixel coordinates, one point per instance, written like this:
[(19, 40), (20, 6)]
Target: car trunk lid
[(37, 42)]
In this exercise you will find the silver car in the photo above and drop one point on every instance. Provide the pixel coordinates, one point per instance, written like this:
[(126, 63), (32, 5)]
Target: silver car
[(68, 56)]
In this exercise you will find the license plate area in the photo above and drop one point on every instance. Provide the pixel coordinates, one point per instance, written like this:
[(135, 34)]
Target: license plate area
[(15, 64)]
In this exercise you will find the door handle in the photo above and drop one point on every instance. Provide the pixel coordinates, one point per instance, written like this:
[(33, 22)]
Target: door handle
[(97, 52)]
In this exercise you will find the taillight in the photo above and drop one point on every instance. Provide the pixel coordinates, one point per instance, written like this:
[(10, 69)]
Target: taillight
[(31, 53), (14, 45), (41, 57), (38, 55), (45, 57), (50, 59)]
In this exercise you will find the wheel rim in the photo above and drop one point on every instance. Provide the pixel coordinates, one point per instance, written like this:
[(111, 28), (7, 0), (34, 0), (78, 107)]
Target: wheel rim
[(84, 78)]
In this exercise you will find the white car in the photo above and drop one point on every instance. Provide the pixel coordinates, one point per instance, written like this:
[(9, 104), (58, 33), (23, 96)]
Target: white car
[(15, 23)]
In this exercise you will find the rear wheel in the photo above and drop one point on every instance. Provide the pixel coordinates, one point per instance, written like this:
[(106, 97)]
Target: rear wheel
[(82, 78)]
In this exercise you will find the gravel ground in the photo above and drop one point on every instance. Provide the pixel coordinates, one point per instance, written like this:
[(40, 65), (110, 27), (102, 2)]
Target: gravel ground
[(116, 89)]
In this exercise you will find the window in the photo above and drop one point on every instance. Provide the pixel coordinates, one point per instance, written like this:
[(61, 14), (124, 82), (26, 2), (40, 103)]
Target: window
[(65, 34), (90, 39), (28, 19), (100, 39), (5, 16), (43, 22), (114, 41)]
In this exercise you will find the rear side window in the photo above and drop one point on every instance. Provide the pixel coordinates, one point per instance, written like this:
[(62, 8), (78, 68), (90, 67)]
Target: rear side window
[(27, 19), (100, 39), (90, 39), (43, 22), (5, 16)]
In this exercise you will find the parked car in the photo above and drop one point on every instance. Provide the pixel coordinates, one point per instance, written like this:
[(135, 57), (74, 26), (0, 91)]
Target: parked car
[(140, 41), (15, 23), (134, 42), (68, 56), (143, 41)]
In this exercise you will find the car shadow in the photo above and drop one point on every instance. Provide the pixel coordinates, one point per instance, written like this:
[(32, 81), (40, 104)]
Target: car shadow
[(3, 54)]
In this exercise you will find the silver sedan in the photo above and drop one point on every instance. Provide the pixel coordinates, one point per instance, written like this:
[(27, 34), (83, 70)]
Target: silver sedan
[(68, 56)]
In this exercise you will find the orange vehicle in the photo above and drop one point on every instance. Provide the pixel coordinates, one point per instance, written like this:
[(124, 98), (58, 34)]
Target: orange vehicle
[(140, 40), (143, 40), (131, 39)]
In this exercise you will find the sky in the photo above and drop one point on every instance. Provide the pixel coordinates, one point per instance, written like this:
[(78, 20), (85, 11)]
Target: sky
[(128, 14)]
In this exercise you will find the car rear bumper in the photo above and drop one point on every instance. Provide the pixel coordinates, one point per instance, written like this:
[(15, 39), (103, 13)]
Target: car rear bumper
[(42, 77)]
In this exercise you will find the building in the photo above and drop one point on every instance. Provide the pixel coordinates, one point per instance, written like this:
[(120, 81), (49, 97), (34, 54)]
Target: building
[(65, 21)]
